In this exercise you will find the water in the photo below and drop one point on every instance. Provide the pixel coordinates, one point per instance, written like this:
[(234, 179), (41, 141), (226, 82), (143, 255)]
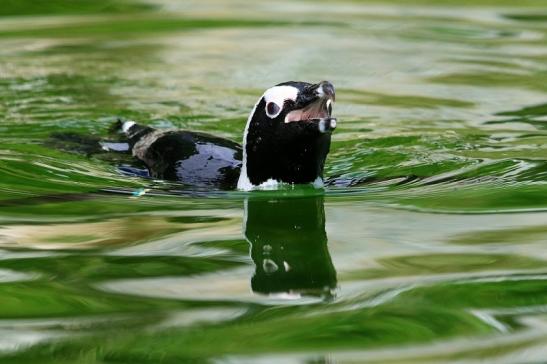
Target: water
[(435, 256)]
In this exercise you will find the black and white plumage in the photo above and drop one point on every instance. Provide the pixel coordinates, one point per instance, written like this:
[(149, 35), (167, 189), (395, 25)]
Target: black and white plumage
[(286, 139), (193, 158)]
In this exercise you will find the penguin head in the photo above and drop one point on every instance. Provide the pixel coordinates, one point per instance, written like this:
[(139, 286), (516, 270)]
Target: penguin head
[(287, 137)]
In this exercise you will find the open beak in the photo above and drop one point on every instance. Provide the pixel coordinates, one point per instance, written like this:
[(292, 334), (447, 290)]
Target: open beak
[(314, 104)]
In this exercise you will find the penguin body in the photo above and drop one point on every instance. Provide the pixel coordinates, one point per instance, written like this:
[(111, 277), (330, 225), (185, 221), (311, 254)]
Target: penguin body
[(191, 158), (286, 139)]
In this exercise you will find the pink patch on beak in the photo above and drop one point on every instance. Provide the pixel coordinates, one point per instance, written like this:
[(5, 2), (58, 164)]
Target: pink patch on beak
[(316, 110)]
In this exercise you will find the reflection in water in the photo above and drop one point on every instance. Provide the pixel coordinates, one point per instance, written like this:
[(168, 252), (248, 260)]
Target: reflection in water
[(289, 246)]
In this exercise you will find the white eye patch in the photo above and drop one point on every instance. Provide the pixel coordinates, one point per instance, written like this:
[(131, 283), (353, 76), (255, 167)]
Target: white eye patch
[(275, 98), (272, 109)]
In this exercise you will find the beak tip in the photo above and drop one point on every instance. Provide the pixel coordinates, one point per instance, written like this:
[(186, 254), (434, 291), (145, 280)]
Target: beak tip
[(327, 125)]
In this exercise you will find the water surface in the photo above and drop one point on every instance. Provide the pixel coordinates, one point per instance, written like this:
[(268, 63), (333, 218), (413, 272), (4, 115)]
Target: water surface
[(436, 254)]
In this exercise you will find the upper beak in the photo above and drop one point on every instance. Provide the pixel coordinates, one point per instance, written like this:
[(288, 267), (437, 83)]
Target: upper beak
[(321, 92), (325, 89)]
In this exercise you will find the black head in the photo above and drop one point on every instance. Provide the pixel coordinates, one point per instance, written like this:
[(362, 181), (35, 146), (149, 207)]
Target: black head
[(287, 137)]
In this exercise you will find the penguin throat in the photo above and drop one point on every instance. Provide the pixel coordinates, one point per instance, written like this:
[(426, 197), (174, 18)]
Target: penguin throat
[(288, 153)]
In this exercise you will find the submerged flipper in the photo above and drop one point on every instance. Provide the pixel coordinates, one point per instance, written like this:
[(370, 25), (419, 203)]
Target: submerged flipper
[(75, 143), (116, 149), (90, 144)]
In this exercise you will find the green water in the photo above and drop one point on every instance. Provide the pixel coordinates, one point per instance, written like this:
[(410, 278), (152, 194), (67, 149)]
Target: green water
[(437, 256)]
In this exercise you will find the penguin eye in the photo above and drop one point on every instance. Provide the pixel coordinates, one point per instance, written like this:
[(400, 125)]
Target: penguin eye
[(272, 109)]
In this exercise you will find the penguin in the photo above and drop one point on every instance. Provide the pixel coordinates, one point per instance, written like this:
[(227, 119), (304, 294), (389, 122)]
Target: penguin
[(286, 140)]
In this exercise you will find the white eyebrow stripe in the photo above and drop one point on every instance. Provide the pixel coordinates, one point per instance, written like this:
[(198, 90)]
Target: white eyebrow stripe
[(279, 94)]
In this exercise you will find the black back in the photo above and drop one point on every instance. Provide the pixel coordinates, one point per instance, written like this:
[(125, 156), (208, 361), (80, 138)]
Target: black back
[(194, 158)]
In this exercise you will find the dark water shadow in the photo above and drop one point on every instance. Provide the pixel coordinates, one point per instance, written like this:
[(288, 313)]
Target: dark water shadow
[(289, 246), (533, 115)]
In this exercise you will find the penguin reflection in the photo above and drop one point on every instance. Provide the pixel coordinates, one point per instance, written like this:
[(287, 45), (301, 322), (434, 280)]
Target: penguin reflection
[(289, 246)]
